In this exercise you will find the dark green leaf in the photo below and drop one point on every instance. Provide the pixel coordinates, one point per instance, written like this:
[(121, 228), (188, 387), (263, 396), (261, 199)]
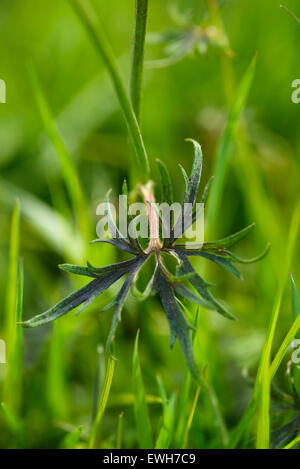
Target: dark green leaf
[(95, 288), (77, 270), (120, 300), (187, 293), (239, 260), (226, 263), (229, 240), (113, 267), (185, 177), (179, 326), (194, 181), (200, 285), (166, 187), (117, 243), (112, 227), (206, 190)]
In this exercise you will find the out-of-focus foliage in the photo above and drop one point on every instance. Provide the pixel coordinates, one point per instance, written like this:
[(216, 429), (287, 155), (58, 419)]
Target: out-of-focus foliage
[(63, 374)]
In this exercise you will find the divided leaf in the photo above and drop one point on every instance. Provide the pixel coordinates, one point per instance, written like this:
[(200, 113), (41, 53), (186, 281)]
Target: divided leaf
[(194, 181), (179, 326), (229, 240), (119, 301), (93, 289), (200, 285), (166, 187)]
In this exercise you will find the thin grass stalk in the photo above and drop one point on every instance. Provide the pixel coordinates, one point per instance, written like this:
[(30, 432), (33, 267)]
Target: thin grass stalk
[(69, 170), (191, 418), (11, 331), (56, 384), (120, 431), (184, 400), (291, 14), (226, 145), (18, 352), (50, 225), (94, 442), (277, 360), (95, 32), (142, 419), (203, 383), (263, 381), (137, 65), (168, 418), (14, 424)]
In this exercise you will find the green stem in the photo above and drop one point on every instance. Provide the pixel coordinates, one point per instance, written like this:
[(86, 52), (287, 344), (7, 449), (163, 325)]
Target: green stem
[(294, 17), (96, 34), (136, 83)]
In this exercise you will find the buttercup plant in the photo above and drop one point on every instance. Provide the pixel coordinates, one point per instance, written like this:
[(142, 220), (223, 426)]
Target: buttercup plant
[(171, 286)]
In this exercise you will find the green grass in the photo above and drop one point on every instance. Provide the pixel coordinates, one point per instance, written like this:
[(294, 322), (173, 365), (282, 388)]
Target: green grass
[(142, 419), (248, 132), (12, 391)]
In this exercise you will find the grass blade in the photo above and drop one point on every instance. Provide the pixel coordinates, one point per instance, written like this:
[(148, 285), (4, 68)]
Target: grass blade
[(295, 304), (182, 411), (142, 419), (294, 17), (57, 399), (49, 224), (190, 418), (120, 431), (225, 146), (14, 424), (95, 434), (13, 308), (166, 432), (284, 347), (72, 439), (136, 82), (97, 36), (69, 170), (296, 314), (263, 382)]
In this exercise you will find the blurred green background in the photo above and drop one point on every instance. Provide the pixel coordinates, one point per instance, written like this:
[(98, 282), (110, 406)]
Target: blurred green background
[(191, 98)]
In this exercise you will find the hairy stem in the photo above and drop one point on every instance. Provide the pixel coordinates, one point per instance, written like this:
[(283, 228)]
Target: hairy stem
[(91, 24), (148, 195), (136, 83)]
